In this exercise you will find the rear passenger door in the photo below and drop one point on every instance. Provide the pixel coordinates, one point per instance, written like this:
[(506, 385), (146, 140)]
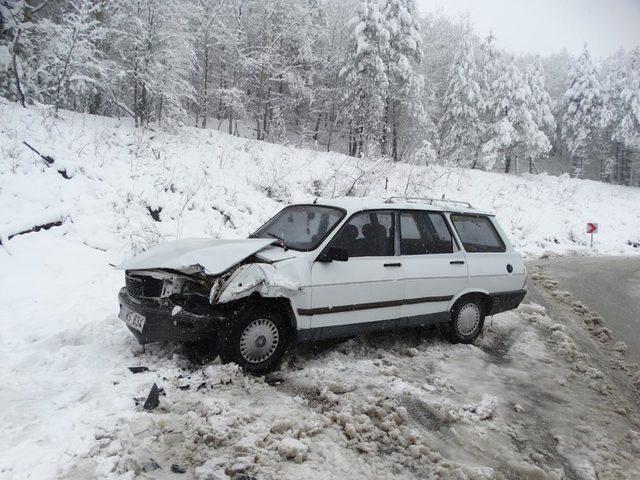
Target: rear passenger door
[(435, 268), (365, 291)]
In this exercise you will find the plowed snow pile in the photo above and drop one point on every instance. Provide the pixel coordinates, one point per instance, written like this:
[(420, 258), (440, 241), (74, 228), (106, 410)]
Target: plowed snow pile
[(526, 402)]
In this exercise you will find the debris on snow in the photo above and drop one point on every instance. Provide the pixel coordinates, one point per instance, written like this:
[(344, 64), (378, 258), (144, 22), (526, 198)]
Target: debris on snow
[(138, 369), (153, 400)]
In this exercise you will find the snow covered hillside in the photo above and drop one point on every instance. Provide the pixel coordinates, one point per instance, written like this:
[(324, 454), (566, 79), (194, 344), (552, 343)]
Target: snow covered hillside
[(396, 406), (201, 182)]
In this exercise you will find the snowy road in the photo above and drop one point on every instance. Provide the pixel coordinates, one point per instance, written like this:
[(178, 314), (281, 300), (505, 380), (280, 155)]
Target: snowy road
[(609, 286)]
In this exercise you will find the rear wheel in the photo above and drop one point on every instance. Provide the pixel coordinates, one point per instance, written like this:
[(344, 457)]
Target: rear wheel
[(256, 339), (467, 320)]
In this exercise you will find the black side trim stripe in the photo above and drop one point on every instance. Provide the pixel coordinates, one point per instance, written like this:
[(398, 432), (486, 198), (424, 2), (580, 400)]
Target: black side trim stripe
[(340, 331), (367, 306)]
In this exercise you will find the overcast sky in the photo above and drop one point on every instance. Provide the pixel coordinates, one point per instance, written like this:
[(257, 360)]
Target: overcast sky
[(546, 26)]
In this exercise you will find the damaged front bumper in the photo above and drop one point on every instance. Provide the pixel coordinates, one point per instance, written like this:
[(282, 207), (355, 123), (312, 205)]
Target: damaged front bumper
[(155, 321)]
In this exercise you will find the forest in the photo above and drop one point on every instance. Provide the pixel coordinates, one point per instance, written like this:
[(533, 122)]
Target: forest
[(369, 78)]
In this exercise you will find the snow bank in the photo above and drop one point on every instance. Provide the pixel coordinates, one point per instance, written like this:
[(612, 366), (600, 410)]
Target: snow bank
[(206, 183)]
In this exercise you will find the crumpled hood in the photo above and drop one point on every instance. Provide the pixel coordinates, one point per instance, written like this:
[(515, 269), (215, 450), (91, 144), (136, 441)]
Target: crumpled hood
[(212, 256)]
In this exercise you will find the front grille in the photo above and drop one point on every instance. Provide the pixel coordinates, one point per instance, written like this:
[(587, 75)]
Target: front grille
[(139, 286)]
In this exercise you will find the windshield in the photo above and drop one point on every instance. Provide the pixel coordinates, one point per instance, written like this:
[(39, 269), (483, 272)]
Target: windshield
[(301, 227)]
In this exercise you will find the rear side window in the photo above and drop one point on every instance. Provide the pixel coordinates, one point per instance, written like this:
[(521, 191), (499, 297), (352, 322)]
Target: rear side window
[(367, 234), (477, 234), (423, 232)]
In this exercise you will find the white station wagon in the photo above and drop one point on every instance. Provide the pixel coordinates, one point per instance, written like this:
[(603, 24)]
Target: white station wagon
[(330, 269)]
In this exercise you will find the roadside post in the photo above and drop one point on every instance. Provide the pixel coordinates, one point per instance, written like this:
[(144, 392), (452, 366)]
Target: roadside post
[(591, 229)]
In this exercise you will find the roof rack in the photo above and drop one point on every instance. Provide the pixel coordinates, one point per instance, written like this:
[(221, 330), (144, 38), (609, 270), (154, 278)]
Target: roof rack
[(428, 200)]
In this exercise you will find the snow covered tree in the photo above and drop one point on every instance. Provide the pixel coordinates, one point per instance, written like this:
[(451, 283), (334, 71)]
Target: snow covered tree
[(403, 103), (460, 125), (69, 54), (511, 112), (155, 59), (540, 106), (18, 56), (365, 77), (582, 117), (541, 100), (621, 116), (497, 91), (330, 52)]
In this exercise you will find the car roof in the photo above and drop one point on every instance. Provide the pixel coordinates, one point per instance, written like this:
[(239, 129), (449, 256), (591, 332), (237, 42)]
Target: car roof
[(356, 204)]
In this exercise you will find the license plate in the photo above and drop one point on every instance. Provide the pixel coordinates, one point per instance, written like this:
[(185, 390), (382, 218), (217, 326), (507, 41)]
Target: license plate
[(131, 318)]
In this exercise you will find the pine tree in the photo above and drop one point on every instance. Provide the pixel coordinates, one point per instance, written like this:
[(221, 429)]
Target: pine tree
[(581, 120), (497, 91), (511, 112), (460, 125), (621, 116), (403, 102), (541, 108), (365, 77)]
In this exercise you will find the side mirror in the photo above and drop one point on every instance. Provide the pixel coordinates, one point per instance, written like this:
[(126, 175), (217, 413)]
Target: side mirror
[(331, 254)]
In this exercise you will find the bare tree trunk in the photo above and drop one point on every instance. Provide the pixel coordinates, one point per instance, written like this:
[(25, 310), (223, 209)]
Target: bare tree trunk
[(331, 116), (265, 114), (617, 170), (205, 86), (507, 164), (475, 160), (136, 106), (385, 129), (394, 142), (63, 74), (577, 167), (16, 74), (317, 127), (160, 108), (626, 157)]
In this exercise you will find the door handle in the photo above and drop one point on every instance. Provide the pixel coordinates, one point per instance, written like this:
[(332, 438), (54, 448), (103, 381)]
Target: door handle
[(457, 262), (392, 264)]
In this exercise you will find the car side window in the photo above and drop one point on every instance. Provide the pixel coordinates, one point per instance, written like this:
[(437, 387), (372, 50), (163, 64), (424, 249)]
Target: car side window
[(477, 234), (367, 234), (424, 233)]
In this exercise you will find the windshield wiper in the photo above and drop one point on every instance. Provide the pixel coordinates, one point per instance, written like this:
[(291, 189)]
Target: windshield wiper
[(281, 242)]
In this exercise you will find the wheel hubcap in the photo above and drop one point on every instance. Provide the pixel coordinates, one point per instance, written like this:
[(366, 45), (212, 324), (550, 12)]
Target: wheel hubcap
[(259, 340), (468, 319)]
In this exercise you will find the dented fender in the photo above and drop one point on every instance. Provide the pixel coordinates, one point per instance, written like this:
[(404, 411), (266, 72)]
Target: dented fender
[(263, 278)]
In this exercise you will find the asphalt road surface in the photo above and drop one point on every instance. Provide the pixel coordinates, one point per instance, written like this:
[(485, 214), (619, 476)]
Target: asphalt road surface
[(610, 286)]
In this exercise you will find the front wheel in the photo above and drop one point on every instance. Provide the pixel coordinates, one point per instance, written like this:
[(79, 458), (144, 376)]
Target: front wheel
[(467, 320), (256, 339)]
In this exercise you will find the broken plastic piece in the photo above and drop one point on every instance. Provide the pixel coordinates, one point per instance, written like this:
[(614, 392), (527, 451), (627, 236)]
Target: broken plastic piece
[(153, 400), (138, 369)]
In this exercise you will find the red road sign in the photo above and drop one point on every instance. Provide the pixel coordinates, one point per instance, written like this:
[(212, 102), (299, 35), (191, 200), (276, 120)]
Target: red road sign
[(592, 228)]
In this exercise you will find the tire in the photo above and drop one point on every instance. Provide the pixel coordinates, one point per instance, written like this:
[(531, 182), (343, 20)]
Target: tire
[(467, 320), (256, 339)]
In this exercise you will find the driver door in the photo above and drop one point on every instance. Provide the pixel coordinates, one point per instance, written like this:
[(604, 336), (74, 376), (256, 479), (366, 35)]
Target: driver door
[(366, 291)]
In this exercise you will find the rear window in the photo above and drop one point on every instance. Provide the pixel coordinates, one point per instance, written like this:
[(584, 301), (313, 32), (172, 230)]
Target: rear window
[(477, 234)]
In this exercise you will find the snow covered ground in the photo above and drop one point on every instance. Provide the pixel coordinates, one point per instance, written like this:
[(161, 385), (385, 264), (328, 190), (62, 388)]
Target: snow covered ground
[(525, 402)]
